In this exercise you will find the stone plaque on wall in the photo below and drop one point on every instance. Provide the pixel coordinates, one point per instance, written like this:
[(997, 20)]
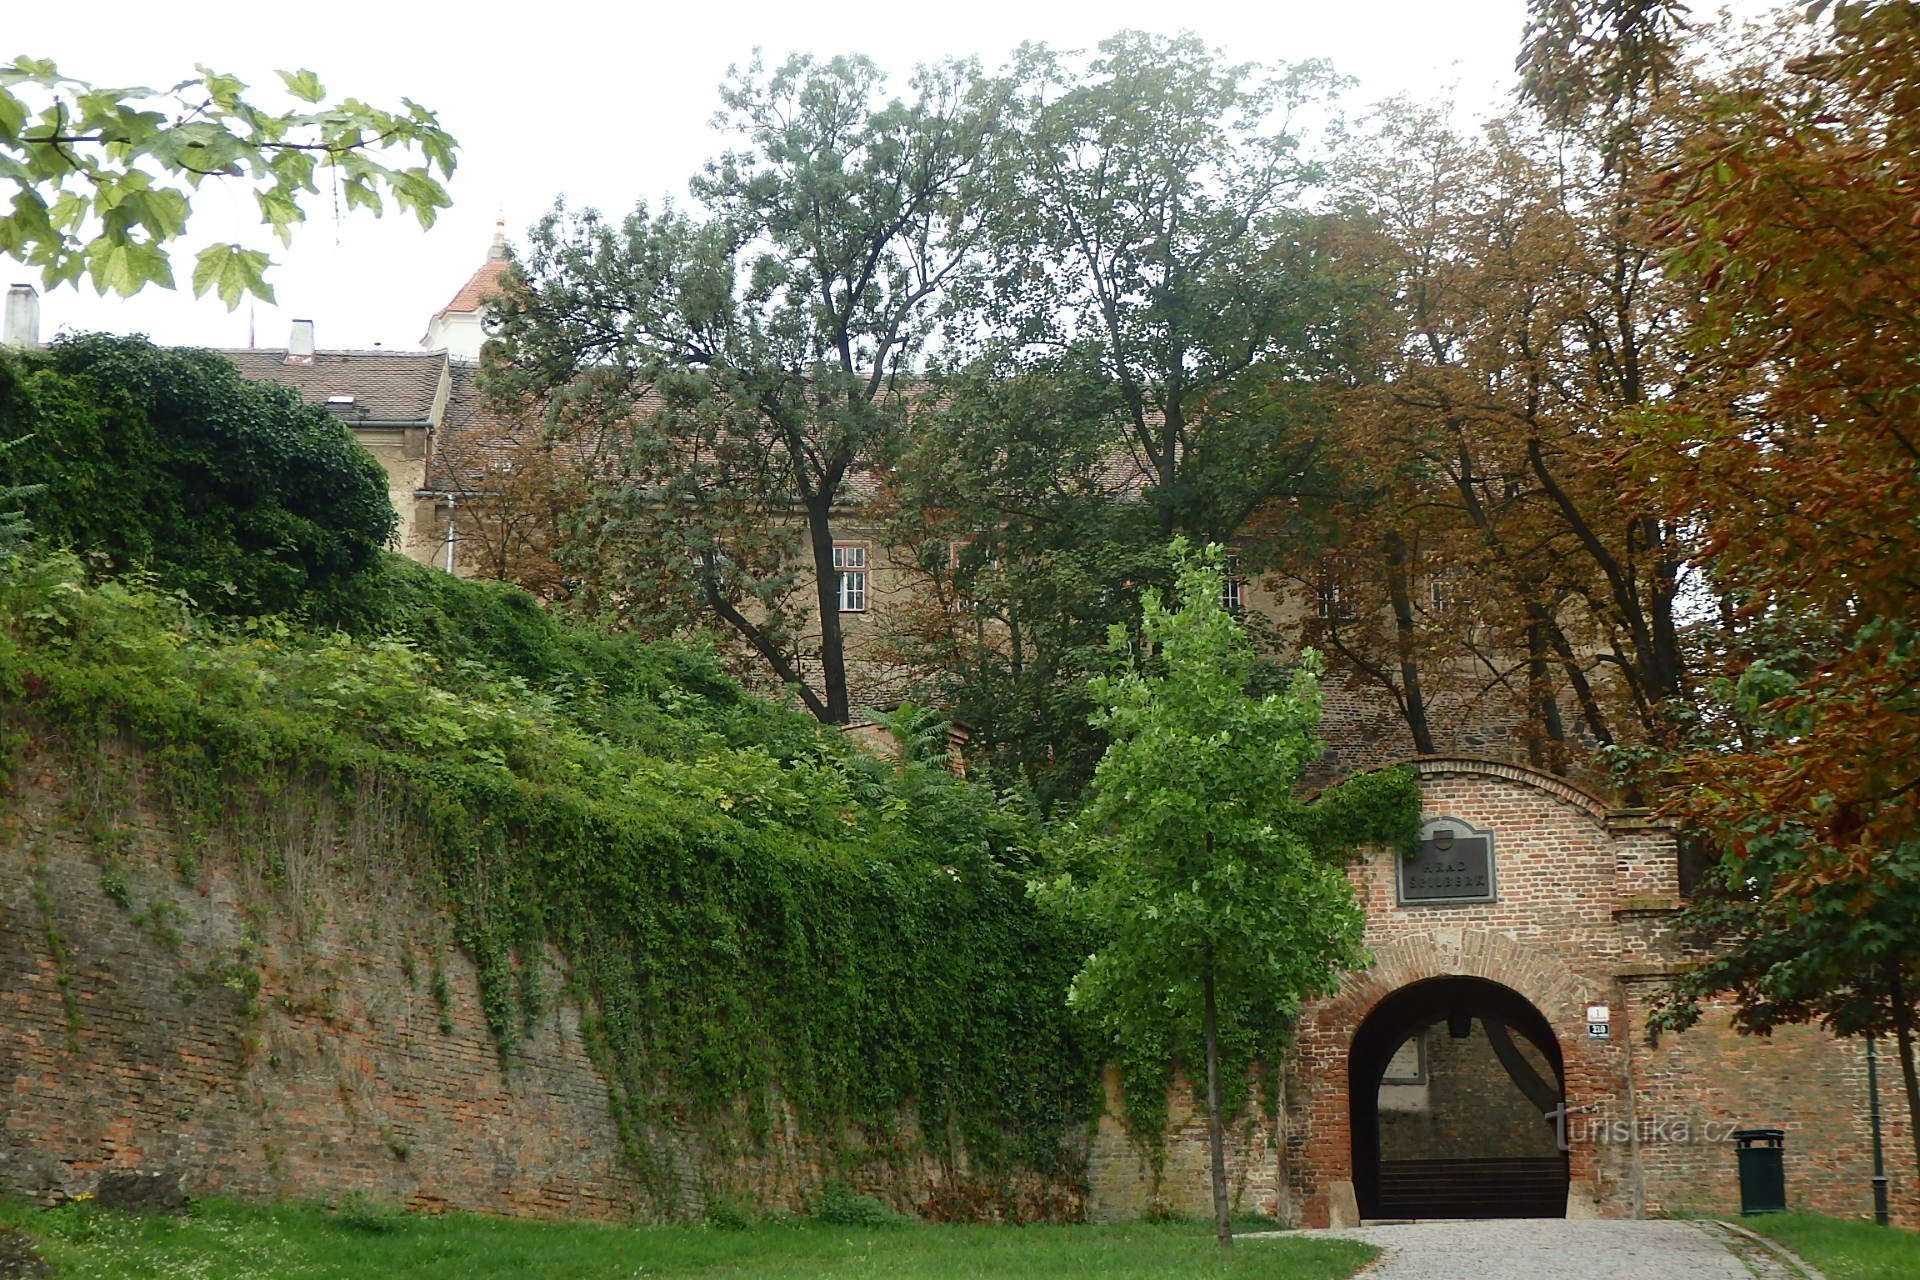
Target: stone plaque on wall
[(1452, 863)]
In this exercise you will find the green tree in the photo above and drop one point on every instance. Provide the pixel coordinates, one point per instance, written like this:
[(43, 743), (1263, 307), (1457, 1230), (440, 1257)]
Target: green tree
[(1028, 545), (1140, 348), (14, 524), (1218, 892), (168, 460), (1147, 219), (745, 361), (102, 178)]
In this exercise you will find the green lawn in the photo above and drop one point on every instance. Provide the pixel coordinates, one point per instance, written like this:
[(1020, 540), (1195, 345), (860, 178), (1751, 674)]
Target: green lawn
[(1846, 1249), (225, 1241)]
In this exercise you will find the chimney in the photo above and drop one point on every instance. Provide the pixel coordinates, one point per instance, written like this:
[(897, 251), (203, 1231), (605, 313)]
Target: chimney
[(23, 317), (300, 343)]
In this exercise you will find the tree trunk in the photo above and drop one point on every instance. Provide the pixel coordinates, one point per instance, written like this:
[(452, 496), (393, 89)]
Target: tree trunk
[(1216, 1140), (1903, 1037), (1545, 705), (1413, 702), (835, 708)]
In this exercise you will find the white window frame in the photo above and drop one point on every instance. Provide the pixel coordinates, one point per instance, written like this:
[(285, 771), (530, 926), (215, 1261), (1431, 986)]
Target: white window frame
[(1233, 583), (1332, 602), (852, 569)]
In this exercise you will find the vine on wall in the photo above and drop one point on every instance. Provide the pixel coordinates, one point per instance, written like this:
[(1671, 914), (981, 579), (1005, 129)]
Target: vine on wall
[(747, 908)]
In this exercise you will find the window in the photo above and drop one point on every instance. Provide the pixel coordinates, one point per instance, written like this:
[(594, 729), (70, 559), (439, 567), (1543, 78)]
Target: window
[(850, 565), (1232, 587), (1332, 598)]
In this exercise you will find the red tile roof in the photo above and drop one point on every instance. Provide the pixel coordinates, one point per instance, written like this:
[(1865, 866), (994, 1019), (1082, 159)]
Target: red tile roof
[(484, 284)]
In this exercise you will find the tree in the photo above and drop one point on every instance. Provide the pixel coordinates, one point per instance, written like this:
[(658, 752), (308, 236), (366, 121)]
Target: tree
[(168, 460), (1140, 349), (1027, 543), (102, 178), (1216, 891), (748, 358), (1789, 943), (1145, 219), (1793, 450), (1488, 536)]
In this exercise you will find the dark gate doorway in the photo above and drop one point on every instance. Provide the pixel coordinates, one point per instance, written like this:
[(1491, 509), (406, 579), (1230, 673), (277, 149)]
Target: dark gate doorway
[(1457, 1086)]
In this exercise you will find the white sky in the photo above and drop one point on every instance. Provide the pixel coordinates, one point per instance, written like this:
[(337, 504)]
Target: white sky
[(607, 103)]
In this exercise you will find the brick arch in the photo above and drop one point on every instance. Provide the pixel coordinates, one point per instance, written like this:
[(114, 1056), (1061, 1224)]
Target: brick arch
[(1453, 766), (1533, 972), (1327, 1028), (1559, 788)]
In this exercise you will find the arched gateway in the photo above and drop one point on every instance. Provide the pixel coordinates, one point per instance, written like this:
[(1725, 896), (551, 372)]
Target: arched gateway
[(1456, 1105), (1437, 1081)]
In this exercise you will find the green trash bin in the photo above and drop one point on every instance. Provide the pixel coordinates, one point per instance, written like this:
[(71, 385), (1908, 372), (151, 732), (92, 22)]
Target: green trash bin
[(1763, 1172)]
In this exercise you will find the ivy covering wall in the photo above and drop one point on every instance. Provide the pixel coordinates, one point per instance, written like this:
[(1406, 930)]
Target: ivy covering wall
[(748, 909)]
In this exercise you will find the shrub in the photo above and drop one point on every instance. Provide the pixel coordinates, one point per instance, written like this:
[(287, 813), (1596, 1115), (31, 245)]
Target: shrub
[(167, 459), (361, 1212), (841, 1206)]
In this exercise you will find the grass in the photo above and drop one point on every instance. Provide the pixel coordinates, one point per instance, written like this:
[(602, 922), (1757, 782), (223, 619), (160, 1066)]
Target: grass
[(221, 1240), (1844, 1248)]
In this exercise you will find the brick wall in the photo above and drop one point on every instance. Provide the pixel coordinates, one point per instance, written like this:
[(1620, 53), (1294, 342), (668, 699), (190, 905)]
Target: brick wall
[(1697, 1087), (1127, 1179), (290, 1020)]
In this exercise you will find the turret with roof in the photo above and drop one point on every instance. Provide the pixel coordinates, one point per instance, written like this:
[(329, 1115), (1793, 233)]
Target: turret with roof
[(459, 328)]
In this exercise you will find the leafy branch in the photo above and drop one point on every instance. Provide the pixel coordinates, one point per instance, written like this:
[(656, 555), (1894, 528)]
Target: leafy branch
[(102, 178)]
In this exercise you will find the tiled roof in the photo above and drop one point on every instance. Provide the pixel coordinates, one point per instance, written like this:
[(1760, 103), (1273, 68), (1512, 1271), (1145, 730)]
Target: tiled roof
[(474, 439), (386, 386), (484, 283), (478, 440)]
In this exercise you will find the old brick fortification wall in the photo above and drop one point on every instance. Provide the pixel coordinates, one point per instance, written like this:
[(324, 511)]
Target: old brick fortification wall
[(167, 1003), (1126, 1179), (1702, 1085), (1585, 916)]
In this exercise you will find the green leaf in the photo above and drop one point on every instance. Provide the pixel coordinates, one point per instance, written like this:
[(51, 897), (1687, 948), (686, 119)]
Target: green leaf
[(279, 211), (361, 195), (225, 89), (13, 116), (232, 272), (112, 266), (303, 85)]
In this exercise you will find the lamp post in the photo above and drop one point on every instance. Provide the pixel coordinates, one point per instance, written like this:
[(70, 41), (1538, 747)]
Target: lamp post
[(1873, 1112)]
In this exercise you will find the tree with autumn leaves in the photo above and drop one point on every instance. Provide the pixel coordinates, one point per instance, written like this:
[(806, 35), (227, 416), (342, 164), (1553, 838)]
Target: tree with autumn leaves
[(1794, 450), (1484, 554)]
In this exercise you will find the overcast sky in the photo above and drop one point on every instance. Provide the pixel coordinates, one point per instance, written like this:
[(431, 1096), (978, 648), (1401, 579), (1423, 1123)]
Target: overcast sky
[(608, 103)]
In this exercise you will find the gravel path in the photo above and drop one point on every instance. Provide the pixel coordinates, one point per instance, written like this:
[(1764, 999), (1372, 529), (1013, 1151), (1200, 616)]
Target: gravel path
[(1534, 1249)]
